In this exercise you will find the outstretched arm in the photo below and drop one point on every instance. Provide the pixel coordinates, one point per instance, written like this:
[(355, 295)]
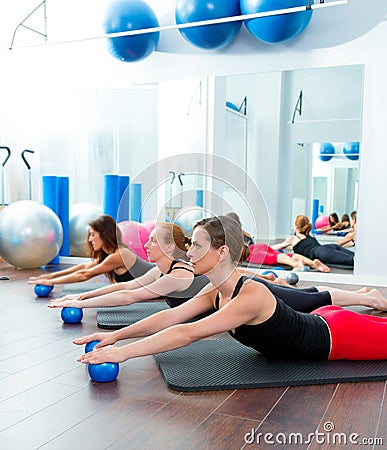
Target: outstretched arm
[(179, 281), (201, 303), (110, 263), (286, 244), (41, 279), (240, 310)]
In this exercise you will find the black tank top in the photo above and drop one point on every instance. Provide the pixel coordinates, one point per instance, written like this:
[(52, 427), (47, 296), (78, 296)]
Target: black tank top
[(307, 247), (139, 268), (178, 297), (287, 334)]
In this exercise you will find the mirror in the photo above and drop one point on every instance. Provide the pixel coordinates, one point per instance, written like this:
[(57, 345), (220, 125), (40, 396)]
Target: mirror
[(266, 123)]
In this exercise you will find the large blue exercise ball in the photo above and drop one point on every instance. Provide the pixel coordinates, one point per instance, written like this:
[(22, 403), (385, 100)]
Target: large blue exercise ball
[(327, 151), (276, 29), (351, 150), (31, 234), (128, 15), (208, 37)]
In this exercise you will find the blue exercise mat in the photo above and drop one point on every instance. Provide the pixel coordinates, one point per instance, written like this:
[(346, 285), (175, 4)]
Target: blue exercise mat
[(223, 364)]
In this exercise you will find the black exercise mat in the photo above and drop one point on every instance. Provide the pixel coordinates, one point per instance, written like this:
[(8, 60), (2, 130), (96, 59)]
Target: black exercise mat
[(122, 316), (222, 364)]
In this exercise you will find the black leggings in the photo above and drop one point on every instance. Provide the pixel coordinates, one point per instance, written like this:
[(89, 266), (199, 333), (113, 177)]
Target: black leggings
[(334, 254), (303, 300)]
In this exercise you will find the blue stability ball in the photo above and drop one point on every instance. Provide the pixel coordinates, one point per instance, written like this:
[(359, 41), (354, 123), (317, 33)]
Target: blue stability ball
[(42, 290), (351, 150), (327, 151), (103, 373), (71, 315), (275, 29), (90, 346), (127, 15), (208, 37)]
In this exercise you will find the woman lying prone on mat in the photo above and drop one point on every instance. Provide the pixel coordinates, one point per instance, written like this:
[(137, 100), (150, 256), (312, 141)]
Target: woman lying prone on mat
[(249, 311), (109, 256), (305, 244), (171, 277)]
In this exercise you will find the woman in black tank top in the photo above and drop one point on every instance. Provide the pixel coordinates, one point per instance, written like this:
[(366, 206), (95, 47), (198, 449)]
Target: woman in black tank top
[(170, 277), (304, 244), (109, 257), (248, 310)]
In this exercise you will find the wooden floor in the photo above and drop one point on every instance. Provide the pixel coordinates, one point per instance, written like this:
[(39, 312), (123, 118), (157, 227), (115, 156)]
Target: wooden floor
[(47, 400)]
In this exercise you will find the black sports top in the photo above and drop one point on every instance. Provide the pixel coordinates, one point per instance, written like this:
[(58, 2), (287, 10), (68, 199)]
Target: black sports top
[(287, 334), (177, 298), (140, 267), (307, 247)]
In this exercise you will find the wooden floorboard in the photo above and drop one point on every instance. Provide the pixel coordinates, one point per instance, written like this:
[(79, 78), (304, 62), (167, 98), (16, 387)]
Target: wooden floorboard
[(47, 400)]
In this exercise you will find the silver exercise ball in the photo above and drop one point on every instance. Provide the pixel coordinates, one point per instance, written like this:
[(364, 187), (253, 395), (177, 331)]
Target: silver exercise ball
[(187, 217), (80, 216), (31, 234)]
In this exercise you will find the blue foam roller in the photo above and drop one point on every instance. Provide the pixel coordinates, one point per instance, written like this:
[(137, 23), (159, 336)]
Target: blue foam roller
[(135, 202), (51, 199), (200, 198), (111, 195), (123, 188), (315, 208), (64, 213)]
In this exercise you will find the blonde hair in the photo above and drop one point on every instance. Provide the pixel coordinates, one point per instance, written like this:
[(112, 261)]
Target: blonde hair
[(303, 224)]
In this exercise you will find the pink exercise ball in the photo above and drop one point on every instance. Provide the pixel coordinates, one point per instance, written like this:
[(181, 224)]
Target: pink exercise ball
[(150, 225), (134, 235), (321, 221)]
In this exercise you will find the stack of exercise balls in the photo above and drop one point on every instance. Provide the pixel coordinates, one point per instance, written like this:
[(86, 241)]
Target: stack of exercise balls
[(208, 37), (130, 15), (31, 234)]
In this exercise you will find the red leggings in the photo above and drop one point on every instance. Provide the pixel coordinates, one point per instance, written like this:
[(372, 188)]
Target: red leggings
[(355, 336), (263, 254)]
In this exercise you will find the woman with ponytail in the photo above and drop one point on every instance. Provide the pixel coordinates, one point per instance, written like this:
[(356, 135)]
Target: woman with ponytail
[(172, 277), (304, 244)]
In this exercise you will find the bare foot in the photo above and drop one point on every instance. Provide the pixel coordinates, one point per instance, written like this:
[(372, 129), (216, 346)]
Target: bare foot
[(363, 290), (376, 300), (269, 276), (282, 282), (321, 267)]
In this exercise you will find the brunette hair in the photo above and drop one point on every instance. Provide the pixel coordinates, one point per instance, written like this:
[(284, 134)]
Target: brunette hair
[(303, 224), (333, 219), (111, 236), (175, 235), (225, 230)]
